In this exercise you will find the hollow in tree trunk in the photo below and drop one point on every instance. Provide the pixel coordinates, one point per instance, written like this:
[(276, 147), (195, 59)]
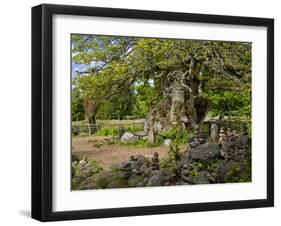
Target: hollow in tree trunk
[(182, 106)]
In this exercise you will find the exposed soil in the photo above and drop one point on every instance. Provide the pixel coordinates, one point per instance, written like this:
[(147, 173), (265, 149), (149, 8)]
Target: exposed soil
[(110, 154)]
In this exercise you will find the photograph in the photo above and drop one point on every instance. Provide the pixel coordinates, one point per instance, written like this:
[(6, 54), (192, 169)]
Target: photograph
[(151, 111), (145, 112)]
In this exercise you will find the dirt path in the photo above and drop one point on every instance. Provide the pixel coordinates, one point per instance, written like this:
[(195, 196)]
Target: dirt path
[(108, 155)]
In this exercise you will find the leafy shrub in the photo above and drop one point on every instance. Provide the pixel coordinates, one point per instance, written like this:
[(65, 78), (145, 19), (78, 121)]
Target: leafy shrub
[(176, 135), (249, 128), (173, 160), (205, 128), (113, 131), (239, 173), (107, 132), (226, 101)]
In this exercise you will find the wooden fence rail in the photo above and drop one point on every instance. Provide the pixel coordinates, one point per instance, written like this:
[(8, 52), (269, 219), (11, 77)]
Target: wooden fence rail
[(84, 128)]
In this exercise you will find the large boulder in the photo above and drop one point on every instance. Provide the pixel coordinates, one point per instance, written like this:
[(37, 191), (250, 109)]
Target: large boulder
[(202, 177), (231, 172), (137, 180), (112, 178), (140, 133), (156, 178), (244, 140), (131, 173), (129, 138), (82, 173), (203, 152)]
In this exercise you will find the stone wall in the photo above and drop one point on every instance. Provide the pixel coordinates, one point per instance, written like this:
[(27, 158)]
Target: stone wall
[(204, 162)]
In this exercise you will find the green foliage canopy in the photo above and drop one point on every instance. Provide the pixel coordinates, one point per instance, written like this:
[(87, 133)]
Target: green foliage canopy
[(127, 75)]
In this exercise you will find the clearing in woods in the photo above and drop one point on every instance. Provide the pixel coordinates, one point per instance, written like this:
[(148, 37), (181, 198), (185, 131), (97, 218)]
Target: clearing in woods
[(111, 154)]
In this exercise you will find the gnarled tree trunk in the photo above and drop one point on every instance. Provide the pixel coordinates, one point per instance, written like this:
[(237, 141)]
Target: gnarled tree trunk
[(182, 106)]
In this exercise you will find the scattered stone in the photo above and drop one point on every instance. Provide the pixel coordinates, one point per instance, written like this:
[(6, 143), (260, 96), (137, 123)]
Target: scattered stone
[(204, 152), (134, 158), (155, 161), (98, 145), (228, 132), (168, 142), (226, 160), (214, 132), (221, 134), (82, 162), (111, 138)]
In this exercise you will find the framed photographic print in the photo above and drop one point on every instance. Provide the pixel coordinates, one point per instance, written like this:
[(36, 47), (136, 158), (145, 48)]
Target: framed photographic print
[(146, 112)]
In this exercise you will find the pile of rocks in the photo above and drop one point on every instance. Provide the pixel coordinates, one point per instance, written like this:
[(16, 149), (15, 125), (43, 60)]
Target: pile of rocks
[(138, 171), (227, 159), (214, 162), (233, 146), (200, 137), (82, 170)]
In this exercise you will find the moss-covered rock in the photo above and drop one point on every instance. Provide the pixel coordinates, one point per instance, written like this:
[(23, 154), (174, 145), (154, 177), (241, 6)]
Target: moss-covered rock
[(204, 164), (82, 171), (233, 172)]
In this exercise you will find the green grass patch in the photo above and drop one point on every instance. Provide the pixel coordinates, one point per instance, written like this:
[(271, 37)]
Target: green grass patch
[(173, 160), (107, 132), (177, 136), (113, 131)]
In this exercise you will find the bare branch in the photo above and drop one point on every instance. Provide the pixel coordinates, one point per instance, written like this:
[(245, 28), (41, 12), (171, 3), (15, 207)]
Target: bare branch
[(186, 86)]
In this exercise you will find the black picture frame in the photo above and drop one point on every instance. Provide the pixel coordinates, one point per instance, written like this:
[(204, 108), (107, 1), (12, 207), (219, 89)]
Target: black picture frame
[(42, 111)]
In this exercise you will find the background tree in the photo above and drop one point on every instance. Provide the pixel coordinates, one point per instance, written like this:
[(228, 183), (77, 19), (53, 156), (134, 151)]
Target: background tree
[(145, 95), (117, 106), (77, 111)]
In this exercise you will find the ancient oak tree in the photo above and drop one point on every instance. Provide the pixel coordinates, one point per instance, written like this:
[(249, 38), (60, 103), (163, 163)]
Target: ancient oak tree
[(181, 73)]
